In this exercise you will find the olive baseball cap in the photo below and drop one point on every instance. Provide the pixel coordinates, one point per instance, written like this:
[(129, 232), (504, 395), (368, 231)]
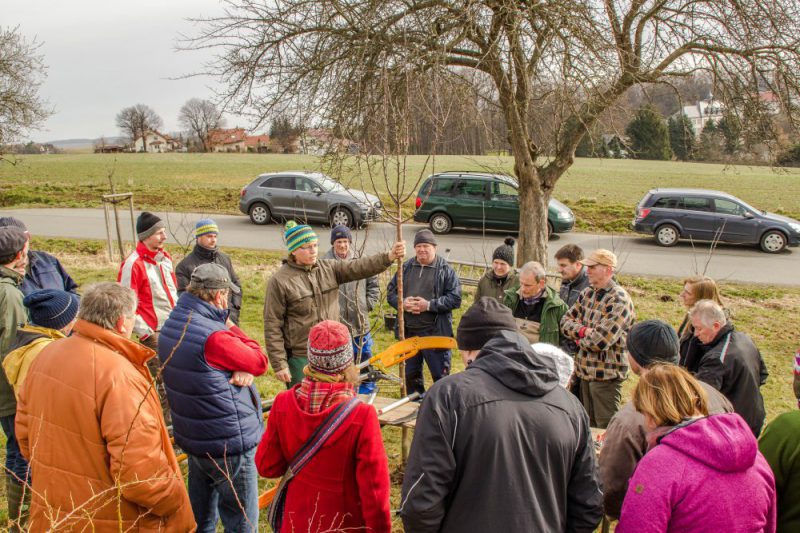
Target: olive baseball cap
[(213, 276)]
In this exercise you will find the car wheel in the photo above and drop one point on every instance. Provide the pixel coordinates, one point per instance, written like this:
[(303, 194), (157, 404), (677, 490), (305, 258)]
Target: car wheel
[(260, 214), (667, 235), (549, 230), (773, 242), (341, 216), (440, 223)]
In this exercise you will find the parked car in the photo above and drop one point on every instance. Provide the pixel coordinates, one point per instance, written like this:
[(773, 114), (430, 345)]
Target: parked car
[(673, 214), (308, 197), (475, 200)]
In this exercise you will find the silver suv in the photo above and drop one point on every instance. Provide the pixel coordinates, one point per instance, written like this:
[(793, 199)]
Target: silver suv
[(307, 197)]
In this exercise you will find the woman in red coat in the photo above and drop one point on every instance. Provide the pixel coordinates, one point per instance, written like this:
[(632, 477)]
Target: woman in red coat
[(345, 486)]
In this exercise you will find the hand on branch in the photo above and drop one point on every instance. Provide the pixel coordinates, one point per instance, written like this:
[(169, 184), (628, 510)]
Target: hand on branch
[(398, 251)]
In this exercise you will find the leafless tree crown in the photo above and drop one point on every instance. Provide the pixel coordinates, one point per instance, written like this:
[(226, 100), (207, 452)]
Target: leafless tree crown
[(137, 120), (554, 63), (22, 72), (198, 117)]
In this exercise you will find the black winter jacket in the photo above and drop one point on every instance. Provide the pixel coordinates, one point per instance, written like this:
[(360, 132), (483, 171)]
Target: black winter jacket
[(732, 364), (502, 447), (201, 256)]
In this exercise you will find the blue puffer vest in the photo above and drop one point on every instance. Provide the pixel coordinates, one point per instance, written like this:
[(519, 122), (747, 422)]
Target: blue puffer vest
[(209, 415)]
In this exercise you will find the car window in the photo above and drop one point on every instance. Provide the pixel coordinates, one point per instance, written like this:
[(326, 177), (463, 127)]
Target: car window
[(696, 203), (727, 207), (279, 182), (668, 202), (306, 185), (474, 189), (504, 191), (440, 186)]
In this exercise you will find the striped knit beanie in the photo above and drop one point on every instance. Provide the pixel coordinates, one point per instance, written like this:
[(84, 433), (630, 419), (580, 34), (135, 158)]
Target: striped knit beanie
[(330, 348), (297, 235), (204, 227)]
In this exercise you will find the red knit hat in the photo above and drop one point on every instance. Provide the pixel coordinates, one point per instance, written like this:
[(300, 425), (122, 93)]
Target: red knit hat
[(330, 348)]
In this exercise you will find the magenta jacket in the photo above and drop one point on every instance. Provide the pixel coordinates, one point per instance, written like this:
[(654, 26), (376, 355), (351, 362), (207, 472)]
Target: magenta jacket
[(704, 475)]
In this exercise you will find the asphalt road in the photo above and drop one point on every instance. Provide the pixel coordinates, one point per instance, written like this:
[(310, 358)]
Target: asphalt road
[(637, 255)]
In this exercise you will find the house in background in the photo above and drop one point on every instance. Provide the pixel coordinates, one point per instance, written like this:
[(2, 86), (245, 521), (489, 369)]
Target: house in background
[(257, 143), (237, 140), (321, 141), (701, 112), (157, 143)]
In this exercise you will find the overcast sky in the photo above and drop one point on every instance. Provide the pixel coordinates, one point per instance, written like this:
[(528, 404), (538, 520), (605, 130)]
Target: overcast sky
[(105, 55)]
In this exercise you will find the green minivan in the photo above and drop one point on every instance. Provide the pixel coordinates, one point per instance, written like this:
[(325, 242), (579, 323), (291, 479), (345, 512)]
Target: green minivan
[(483, 201)]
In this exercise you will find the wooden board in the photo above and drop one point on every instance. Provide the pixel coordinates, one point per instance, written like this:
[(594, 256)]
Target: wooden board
[(395, 416)]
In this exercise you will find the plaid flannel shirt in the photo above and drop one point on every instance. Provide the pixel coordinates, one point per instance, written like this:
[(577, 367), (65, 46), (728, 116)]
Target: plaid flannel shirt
[(609, 313), (316, 396)]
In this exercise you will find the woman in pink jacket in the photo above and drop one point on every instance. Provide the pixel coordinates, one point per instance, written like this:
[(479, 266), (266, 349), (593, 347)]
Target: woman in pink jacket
[(701, 473)]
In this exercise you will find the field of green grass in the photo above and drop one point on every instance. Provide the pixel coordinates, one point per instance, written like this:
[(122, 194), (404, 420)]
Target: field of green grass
[(602, 192), (767, 314)]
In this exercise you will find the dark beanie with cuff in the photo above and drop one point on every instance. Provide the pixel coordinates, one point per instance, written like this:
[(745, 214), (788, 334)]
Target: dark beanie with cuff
[(51, 308), (341, 232), (482, 321), (653, 341), (505, 252), (424, 236), (147, 224)]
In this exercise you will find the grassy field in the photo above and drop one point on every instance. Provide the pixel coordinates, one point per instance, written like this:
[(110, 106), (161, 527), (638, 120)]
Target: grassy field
[(603, 193), (767, 314)]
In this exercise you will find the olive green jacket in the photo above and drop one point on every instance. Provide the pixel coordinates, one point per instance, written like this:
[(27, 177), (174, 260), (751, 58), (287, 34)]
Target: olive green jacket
[(300, 296), (554, 308), (12, 315), (489, 285)]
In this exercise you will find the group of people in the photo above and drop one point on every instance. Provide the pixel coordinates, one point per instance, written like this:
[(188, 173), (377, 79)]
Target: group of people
[(507, 442)]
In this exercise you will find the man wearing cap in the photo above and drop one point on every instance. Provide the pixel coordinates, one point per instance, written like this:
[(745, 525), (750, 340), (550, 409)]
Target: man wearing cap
[(206, 251), (13, 260), (500, 446), (537, 307), (44, 271), (305, 291), (626, 440), (431, 290), (502, 276), (209, 365), (356, 300), (598, 322)]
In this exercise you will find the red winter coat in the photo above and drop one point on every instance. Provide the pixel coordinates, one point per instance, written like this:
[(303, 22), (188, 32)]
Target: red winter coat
[(345, 486)]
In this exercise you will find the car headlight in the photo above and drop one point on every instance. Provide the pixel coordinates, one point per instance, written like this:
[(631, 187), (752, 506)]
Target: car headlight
[(564, 215), (795, 227), (378, 204)]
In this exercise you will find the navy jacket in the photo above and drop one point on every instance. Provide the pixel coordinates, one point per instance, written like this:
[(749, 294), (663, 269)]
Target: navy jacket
[(45, 272), (209, 415), (446, 294)]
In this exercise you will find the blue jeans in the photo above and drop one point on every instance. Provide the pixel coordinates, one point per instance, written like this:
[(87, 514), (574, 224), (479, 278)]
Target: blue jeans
[(15, 462), (227, 489), (363, 345), (438, 362)]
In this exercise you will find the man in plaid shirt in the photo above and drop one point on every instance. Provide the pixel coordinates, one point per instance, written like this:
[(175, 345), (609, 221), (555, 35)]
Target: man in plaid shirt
[(599, 322)]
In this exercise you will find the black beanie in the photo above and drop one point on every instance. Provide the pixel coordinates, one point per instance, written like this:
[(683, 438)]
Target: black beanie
[(147, 224), (653, 341), (341, 232), (482, 321), (424, 236), (505, 252)]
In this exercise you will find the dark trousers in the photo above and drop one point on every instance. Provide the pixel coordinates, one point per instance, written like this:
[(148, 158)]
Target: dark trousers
[(154, 365), (16, 465), (438, 362), (601, 399)]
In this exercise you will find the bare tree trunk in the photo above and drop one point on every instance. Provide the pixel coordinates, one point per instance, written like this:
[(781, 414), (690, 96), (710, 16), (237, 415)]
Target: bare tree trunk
[(533, 208)]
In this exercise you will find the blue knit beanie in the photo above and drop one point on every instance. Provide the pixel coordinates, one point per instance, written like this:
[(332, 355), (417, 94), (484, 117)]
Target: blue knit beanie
[(297, 235), (204, 227), (51, 308), (341, 232)]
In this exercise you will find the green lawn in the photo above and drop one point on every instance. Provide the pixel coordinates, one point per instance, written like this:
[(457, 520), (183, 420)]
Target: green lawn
[(603, 193), (767, 314)]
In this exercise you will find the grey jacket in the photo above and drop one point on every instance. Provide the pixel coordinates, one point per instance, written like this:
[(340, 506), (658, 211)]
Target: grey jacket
[(502, 447), (356, 299)]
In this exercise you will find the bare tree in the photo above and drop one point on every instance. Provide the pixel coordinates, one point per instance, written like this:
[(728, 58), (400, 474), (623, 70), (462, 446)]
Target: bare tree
[(22, 72), (198, 117), (561, 63), (137, 120)]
